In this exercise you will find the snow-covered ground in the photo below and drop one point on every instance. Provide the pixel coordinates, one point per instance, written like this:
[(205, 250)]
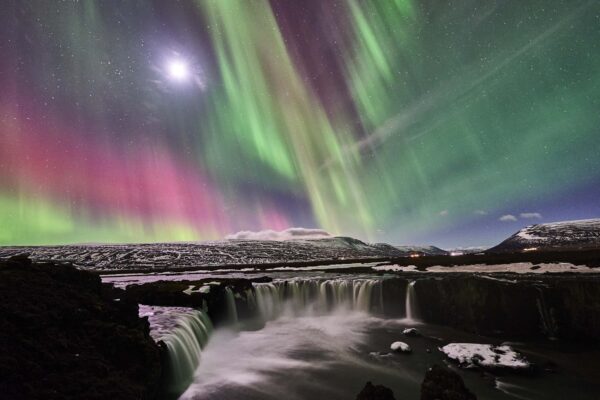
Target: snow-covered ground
[(162, 256), (519, 268), (395, 268)]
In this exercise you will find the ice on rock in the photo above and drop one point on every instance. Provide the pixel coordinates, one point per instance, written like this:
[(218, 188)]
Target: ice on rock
[(202, 289), (400, 347), (486, 356), (411, 332)]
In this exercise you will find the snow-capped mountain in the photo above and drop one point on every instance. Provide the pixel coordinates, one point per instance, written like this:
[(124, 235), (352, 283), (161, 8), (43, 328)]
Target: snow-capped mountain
[(567, 235)]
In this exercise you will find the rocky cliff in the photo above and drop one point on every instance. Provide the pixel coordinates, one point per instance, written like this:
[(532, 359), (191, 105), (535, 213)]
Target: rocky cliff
[(63, 336)]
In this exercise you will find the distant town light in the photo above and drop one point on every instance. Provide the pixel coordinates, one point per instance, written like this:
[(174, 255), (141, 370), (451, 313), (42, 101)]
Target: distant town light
[(530, 249)]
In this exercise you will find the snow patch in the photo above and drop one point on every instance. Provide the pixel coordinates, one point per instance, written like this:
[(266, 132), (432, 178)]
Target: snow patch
[(400, 347), (202, 289), (527, 235), (519, 268), (395, 268), (471, 355)]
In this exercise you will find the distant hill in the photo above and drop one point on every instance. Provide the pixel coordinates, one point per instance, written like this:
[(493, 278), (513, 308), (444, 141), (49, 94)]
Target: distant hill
[(378, 248), (337, 242), (234, 252), (567, 235), (424, 250)]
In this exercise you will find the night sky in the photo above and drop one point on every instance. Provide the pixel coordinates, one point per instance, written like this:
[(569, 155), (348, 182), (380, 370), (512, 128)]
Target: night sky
[(443, 122)]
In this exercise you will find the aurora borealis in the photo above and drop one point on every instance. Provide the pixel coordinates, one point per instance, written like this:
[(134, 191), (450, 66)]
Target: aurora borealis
[(395, 120)]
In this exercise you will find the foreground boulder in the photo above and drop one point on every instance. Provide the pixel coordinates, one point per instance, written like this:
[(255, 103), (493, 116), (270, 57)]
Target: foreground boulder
[(63, 336), (441, 383), (375, 392)]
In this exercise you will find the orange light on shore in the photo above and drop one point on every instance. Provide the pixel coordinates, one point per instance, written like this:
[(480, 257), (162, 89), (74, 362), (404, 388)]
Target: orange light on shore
[(530, 249)]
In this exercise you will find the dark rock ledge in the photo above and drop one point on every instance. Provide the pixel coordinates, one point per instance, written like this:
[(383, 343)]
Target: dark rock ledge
[(63, 336)]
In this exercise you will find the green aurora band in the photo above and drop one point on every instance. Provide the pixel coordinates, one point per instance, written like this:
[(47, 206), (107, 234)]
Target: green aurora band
[(446, 114)]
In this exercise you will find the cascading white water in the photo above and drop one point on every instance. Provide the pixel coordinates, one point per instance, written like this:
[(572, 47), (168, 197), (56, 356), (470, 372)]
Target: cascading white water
[(315, 296), (184, 346), (185, 332), (232, 315), (411, 302)]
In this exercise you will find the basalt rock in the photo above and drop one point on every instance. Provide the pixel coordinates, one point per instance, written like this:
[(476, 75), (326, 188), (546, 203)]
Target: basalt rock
[(394, 293), (191, 294), (561, 306), (411, 332), (480, 305), (375, 392), (168, 293), (441, 383), (573, 308), (62, 336)]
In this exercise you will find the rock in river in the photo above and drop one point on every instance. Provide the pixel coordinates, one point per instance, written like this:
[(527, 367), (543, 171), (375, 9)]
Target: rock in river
[(441, 383), (375, 392), (400, 347), (486, 356)]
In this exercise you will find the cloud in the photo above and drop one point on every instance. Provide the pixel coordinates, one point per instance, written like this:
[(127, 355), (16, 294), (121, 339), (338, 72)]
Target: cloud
[(507, 218), (287, 234), (480, 212), (531, 215), (443, 213)]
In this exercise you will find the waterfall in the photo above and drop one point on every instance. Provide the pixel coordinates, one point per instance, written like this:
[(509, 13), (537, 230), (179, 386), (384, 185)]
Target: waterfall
[(184, 345), (315, 296), (411, 302), (269, 300), (185, 332), (232, 315)]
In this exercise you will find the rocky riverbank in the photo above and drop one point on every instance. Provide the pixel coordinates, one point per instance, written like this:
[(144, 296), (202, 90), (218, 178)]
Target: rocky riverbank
[(515, 306)]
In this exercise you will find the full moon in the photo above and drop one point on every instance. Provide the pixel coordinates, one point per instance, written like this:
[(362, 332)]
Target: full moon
[(178, 70)]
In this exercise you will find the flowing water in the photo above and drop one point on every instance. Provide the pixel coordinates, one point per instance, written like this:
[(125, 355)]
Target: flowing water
[(322, 338), (292, 357), (317, 297), (185, 332), (411, 302), (232, 316)]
